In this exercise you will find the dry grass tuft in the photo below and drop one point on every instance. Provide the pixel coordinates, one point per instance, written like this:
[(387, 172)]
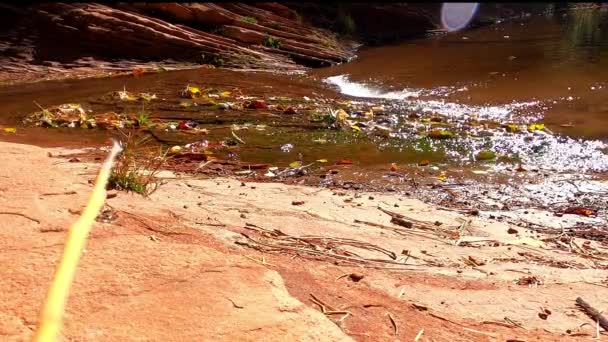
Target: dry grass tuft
[(137, 166)]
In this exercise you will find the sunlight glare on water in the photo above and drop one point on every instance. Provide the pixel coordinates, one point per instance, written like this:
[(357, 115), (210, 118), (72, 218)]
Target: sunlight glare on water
[(457, 15)]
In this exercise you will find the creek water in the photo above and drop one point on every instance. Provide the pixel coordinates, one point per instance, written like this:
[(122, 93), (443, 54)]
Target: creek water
[(548, 70)]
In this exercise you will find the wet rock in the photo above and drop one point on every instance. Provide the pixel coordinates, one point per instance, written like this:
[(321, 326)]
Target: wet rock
[(290, 110), (401, 222), (356, 277)]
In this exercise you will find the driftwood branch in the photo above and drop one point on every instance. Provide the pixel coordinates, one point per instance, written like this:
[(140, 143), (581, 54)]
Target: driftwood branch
[(592, 313)]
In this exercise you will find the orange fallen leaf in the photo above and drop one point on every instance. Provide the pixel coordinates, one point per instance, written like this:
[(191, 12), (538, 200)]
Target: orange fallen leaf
[(344, 162), (580, 211), (424, 163), (137, 72), (394, 167)]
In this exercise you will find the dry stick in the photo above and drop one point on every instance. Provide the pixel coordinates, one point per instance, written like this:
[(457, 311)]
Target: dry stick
[(393, 323), (332, 310), (337, 256), (462, 325), (408, 222), (309, 239), (593, 313), (237, 137), (263, 261), (142, 220), (51, 318), (19, 214), (401, 231), (419, 335), (59, 193), (313, 249), (341, 257)]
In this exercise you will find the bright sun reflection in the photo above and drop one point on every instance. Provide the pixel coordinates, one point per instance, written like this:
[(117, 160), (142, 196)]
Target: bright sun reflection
[(457, 15)]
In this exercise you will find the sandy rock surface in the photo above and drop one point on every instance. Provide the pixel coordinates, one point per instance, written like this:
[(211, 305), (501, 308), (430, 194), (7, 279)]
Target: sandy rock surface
[(184, 264)]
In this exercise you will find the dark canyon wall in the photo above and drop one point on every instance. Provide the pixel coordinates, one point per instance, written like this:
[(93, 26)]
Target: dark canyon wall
[(256, 35)]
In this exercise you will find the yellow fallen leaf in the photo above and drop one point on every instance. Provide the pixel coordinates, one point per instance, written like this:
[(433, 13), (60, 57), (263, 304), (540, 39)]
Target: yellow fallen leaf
[(442, 178), (512, 128), (295, 164), (322, 160), (356, 128), (194, 90), (341, 114), (536, 127), (175, 149), (191, 92), (10, 130), (225, 94)]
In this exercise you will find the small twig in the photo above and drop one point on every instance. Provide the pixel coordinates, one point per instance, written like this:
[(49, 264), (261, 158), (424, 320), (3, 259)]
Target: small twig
[(202, 165), (59, 193), (390, 213), (237, 138), (502, 324), (323, 306), (263, 261), (332, 311), (148, 226), (463, 326), (19, 214), (592, 313), (342, 276), (517, 324), (393, 322), (52, 229), (419, 335), (590, 283), (344, 317), (401, 231), (234, 304)]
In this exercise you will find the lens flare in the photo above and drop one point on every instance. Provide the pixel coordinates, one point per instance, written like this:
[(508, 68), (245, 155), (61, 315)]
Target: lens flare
[(457, 15)]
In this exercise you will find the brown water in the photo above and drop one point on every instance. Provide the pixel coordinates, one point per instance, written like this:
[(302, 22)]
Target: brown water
[(560, 61)]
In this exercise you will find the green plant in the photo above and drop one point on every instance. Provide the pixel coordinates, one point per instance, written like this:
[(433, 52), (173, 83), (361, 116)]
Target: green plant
[(250, 20), (345, 23), (215, 60), (137, 166), (218, 61), (326, 43), (143, 118), (272, 42)]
